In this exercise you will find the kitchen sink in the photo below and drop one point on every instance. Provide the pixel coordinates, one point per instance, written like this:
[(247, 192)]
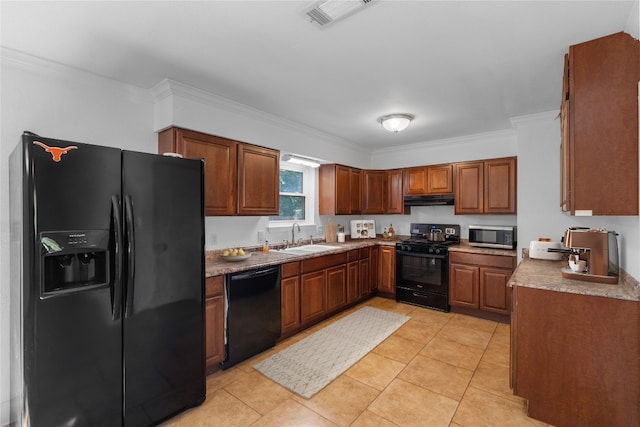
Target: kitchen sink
[(306, 249)]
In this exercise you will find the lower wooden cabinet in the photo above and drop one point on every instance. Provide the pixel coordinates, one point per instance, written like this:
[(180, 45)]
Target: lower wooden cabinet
[(479, 281), (387, 270), (214, 322), (336, 287), (290, 288), (313, 295), (364, 268)]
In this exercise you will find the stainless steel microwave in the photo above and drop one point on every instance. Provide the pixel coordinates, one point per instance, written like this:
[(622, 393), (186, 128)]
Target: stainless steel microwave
[(493, 236)]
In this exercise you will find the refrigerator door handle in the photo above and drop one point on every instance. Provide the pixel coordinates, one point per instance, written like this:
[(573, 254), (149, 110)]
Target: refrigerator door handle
[(116, 301), (131, 272)]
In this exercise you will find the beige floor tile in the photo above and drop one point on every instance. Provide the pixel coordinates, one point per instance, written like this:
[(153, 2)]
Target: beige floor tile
[(259, 392), (502, 335), (408, 405), (219, 409), (470, 322), (292, 414), (437, 376), (432, 317), (417, 331), (342, 401), (479, 408), (369, 419), (375, 370), (222, 378), (493, 379), (465, 336), (453, 353), (390, 305), (398, 348), (497, 353)]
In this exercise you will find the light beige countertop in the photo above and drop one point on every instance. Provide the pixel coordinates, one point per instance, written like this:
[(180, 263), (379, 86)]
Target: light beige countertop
[(464, 247), (545, 274)]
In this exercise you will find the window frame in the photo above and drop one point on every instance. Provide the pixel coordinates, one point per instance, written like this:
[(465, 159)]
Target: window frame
[(309, 179)]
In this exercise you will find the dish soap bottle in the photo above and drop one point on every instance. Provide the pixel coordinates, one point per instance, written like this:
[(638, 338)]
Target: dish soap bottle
[(265, 247), (385, 233), (391, 231)]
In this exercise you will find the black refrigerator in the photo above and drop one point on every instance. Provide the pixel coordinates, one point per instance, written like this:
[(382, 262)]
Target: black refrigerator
[(107, 285)]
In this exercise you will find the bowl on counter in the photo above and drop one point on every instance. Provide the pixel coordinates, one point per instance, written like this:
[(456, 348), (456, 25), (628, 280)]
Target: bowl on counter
[(235, 258)]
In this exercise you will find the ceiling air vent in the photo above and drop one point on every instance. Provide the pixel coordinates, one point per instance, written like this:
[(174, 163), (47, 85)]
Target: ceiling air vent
[(328, 11)]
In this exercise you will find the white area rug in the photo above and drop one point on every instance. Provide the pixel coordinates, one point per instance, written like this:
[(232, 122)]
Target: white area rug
[(312, 363)]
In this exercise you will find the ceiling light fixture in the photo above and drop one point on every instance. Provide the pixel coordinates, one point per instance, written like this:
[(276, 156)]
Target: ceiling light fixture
[(300, 160), (396, 122), (328, 11)]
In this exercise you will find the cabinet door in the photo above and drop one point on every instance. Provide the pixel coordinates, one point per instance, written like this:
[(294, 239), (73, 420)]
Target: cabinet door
[(353, 292), (312, 296), (387, 270), (355, 194), (494, 295), (440, 179), (336, 287), (342, 190), (374, 262), (463, 285), (395, 199), (220, 166), (214, 322), (365, 278), (500, 186), (374, 191), (290, 303), (469, 188), (415, 181), (258, 180)]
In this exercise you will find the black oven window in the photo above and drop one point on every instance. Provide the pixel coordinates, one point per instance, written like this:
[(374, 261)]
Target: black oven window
[(425, 271)]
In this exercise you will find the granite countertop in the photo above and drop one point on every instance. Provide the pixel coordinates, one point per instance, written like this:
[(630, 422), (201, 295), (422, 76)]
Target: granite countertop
[(216, 265), (464, 247), (545, 274)]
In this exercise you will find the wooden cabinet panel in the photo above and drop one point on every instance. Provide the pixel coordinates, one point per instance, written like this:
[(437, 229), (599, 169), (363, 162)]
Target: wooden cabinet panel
[(353, 291), (469, 188), (336, 287), (290, 304), (220, 165), (486, 187), (374, 190), (494, 293), (395, 198), (339, 190), (463, 286), (240, 178), (387, 270), (600, 131), (312, 296), (214, 322), (374, 262), (500, 186), (440, 179), (258, 180), (365, 286), (437, 179)]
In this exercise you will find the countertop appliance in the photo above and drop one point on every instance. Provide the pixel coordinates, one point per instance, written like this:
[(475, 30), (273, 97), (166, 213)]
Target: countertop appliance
[(253, 316), (599, 248), (493, 236), (422, 265), (107, 303)]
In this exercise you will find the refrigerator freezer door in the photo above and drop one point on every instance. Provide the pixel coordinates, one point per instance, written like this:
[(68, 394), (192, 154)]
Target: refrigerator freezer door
[(71, 349), (164, 290)]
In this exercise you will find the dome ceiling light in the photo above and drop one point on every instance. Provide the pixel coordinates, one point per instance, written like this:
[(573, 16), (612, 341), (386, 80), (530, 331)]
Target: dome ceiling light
[(396, 122)]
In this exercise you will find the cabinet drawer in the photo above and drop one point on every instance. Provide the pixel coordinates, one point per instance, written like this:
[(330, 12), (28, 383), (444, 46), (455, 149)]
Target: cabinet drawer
[(214, 285), (290, 269), (498, 261), (321, 262)]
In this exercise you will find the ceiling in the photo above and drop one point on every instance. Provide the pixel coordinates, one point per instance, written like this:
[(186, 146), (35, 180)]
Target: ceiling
[(461, 67)]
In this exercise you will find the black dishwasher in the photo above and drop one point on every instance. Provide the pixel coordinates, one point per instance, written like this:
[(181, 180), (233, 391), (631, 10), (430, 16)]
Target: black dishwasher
[(252, 320)]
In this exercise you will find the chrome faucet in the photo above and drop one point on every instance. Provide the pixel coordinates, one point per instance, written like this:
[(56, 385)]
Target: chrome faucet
[(293, 228)]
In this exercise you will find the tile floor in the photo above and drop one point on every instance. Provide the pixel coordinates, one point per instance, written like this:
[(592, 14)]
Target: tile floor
[(438, 369)]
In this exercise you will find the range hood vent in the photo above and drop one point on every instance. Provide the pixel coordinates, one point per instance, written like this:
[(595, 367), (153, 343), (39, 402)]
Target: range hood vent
[(328, 11), (435, 200)]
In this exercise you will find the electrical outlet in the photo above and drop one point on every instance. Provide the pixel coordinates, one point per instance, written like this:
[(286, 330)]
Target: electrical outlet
[(319, 230)]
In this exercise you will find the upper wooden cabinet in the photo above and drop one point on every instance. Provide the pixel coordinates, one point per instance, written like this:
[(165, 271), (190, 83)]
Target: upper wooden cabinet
[(382, 192), (340, 190), (240, 179), (422, 180), (599, 120), (486, 187), (395, 201)]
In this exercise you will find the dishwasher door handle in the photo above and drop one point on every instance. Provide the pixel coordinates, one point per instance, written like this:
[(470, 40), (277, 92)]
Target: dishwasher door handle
[(252, 274)]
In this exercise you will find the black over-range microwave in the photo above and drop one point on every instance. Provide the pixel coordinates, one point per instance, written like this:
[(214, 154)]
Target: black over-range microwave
[(493, 236)]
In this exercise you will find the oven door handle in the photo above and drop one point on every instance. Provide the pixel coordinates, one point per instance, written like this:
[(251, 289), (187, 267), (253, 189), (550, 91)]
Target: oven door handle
[(420, 255)]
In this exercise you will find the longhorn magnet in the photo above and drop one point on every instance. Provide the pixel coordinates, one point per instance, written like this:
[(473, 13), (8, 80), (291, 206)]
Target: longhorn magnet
[(56, 152)]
